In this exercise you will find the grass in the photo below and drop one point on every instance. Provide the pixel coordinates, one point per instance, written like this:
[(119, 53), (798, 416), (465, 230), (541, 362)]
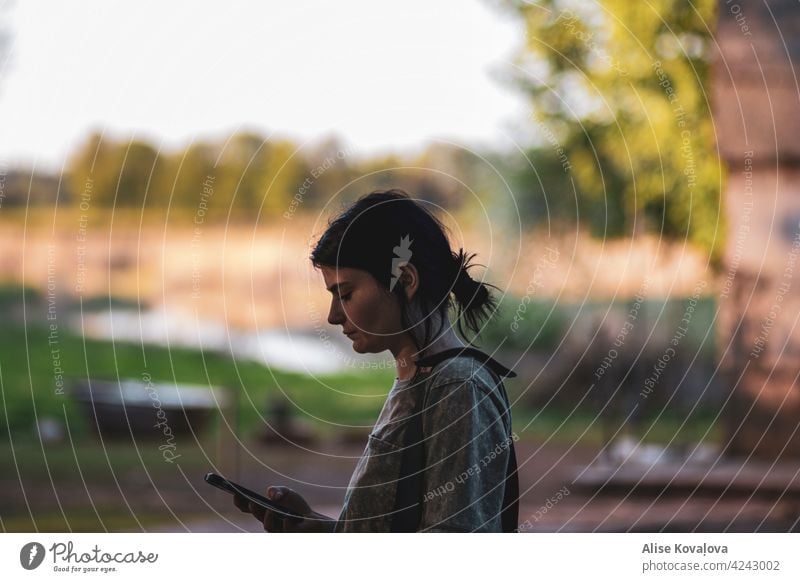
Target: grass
[(564, 426), (29, 390), (95, 461), (78, 520), (328, 402), (28, 385), (58, 477)]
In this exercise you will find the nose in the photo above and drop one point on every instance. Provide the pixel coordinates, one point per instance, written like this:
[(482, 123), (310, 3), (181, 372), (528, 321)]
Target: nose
[(335, 314)]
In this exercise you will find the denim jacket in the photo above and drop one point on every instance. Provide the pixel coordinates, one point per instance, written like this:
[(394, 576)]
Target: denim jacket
[(467, 435)]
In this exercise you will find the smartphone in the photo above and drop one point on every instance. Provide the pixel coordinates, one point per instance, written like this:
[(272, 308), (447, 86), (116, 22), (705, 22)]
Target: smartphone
[(221, 482)]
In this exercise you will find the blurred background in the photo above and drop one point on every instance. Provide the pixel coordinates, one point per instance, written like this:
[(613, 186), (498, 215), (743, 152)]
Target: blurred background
[(626, 173)]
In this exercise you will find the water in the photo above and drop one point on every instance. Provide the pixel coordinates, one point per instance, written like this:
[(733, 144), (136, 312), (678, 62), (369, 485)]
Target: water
[(296, 350)]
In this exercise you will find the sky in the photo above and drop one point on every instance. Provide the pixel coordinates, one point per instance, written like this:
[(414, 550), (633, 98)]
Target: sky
[(384, 76)]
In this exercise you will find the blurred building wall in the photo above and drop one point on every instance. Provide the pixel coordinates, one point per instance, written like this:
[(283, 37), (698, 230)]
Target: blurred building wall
[(757, 119)]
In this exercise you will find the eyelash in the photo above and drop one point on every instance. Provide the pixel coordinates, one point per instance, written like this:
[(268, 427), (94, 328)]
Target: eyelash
[(345, 297)]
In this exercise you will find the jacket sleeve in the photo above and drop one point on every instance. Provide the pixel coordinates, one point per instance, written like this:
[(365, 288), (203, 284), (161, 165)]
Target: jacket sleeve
[(466, 455)]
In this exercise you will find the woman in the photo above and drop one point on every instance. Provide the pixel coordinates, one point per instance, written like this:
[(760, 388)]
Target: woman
[(441, 455)]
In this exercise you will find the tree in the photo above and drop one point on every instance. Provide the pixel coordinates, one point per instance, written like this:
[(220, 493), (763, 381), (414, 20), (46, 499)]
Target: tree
[(111, 173), (621, 88), (259, 174), (188, 182), (93, 172), (139, 166), (238, 167), (278, 176), (326, 171)]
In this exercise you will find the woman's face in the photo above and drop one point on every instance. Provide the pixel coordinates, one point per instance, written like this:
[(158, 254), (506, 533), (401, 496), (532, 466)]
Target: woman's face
[(368, 313)]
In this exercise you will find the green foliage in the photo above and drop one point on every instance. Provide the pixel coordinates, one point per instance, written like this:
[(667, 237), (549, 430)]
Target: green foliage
[(622, 88), (247, 175), (181, 184), (93, 172), (524, 324)]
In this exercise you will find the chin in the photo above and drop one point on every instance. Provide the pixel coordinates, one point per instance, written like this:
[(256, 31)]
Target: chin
[(359, 349), (362, 348)]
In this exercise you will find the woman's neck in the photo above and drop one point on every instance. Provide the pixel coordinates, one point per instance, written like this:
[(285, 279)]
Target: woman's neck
[(407, 353)]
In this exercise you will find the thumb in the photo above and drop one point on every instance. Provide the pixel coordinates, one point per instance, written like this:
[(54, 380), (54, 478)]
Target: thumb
[(288, 498)]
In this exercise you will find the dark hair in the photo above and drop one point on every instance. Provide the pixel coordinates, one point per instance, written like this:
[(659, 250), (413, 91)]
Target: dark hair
[(370, 233)]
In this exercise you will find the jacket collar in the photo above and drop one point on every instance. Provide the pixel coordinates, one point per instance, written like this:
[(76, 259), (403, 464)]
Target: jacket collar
[(484, 358)]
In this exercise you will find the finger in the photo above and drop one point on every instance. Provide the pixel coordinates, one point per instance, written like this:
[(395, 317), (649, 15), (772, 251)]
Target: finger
[(292, 524), (256, 510), (241, 503), (278, 493), (273, 522), (286, 497)]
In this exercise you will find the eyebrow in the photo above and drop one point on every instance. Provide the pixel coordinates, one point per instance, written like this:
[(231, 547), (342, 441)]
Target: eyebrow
[(336, 286)]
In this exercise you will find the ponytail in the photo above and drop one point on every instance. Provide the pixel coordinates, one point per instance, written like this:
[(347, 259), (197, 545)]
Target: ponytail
[(474, 301)]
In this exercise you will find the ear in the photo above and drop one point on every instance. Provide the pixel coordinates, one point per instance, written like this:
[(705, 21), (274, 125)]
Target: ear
[(409, 279)]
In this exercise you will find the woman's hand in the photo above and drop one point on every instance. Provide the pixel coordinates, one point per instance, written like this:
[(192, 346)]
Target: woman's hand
[(275, 522)]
